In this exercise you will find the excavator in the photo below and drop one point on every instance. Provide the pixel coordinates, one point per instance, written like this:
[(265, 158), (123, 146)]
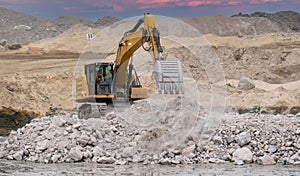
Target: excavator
[(104, 83)]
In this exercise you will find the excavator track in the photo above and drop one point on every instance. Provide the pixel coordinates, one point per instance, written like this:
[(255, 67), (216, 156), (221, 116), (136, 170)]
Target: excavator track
[(92, 110), (169, 77)]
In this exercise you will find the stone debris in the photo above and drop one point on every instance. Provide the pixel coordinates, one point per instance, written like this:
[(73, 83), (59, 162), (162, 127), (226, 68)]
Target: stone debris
[(248, 138)]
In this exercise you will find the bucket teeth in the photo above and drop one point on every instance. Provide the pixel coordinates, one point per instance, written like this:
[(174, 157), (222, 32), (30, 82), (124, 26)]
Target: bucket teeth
[(168, 76)]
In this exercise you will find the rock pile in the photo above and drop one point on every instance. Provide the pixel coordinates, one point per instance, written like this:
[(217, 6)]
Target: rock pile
[(262, 139), (247, 138), (67, 139)]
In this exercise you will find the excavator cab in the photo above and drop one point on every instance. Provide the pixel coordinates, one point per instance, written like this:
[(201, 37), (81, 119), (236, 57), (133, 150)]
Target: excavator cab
[(96, 83), (104, 77)]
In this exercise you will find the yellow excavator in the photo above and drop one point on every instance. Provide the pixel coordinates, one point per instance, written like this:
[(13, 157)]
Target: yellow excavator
[(103, 83)]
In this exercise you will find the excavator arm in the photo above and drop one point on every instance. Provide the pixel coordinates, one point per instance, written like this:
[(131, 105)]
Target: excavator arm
[(127, 47), (131, 42)]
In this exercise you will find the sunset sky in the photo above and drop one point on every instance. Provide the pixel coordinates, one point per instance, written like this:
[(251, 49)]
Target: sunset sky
[(94, 9)]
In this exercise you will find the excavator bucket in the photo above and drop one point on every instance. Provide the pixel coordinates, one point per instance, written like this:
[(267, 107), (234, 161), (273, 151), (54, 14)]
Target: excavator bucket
[(169, 77)]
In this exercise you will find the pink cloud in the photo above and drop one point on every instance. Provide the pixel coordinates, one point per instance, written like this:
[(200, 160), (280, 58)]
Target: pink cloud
[(146, 4), (118, 5), (117, 8), (234, 2), (262, 1), (190, 3)]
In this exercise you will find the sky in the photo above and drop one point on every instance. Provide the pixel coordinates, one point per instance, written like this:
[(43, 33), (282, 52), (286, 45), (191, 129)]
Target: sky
[(94, 9)]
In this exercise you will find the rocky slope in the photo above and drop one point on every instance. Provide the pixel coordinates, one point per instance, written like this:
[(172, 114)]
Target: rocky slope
[(233, 26), (288, 20), (22, 28), (18, 27)]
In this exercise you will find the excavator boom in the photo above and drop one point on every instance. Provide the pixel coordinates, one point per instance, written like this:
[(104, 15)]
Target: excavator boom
[(132, 41)]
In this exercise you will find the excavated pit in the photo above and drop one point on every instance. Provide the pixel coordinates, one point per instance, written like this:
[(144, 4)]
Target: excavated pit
[(12, 119)]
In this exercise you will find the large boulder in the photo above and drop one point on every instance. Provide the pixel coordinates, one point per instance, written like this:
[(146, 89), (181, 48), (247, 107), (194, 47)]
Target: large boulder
[(2, 153), (106, 160), (55, 158), (42, 146), (245, 84), (98, 151), (76, 154), (3, 42), (188, 151), (266, 160), (18, 155), (243, 138), (243, 154), (128, 152), (296, 157)]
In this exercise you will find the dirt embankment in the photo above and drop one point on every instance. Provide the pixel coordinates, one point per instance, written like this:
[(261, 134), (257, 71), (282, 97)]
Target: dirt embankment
[(37, 82), (34, 85)]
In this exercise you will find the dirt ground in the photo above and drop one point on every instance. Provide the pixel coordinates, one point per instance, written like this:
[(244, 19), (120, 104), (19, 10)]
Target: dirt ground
[(42, 82)]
